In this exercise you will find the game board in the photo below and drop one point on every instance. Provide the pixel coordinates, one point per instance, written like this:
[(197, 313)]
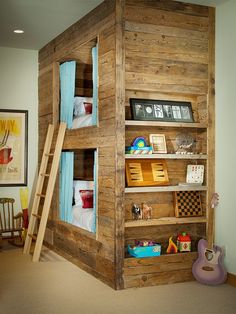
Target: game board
[(187, 204), (146, 172)]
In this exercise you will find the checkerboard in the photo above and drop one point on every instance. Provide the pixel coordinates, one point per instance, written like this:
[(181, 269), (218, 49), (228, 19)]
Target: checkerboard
[(187, 204)]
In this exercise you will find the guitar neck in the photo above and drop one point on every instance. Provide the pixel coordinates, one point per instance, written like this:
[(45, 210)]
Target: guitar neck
[(211, 220)]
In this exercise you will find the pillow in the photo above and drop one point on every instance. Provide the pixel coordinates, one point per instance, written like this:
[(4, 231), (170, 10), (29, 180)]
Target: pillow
[(82, 106), (88, 106), (81, 185), (87, 198)]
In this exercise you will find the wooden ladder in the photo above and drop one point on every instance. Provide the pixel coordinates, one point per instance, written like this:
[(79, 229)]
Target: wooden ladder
[(49, 190)]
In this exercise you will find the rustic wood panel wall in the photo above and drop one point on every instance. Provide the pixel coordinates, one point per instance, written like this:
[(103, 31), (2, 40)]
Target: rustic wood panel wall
[(168, 56), (95, 253), (151, 49)]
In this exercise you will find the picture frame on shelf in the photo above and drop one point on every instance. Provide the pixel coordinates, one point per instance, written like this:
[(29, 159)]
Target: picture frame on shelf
[(158, 143), (161, 110)]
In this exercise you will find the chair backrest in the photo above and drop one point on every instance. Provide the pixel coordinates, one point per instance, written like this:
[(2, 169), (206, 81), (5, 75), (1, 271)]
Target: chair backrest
[(7, 221)]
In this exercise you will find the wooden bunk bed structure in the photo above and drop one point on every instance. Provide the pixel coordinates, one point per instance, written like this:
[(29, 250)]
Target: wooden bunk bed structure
[(147, 49)]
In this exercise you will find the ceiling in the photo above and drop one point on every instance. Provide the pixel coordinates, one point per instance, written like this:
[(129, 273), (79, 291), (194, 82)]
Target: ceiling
[(43, 20)]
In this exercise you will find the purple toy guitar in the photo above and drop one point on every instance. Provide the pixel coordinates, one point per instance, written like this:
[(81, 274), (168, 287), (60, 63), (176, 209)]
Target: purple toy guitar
[(208, 268)]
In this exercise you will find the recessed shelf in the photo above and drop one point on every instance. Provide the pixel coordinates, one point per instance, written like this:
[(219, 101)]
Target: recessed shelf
[(164, 221), (166, 124), (172, 188), (166, 156)]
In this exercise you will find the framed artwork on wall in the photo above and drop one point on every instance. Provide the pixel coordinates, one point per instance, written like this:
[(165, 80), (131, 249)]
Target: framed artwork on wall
[(13, 147)]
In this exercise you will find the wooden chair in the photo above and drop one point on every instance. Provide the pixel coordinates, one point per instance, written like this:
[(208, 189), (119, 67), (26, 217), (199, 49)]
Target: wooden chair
[(11, 224)]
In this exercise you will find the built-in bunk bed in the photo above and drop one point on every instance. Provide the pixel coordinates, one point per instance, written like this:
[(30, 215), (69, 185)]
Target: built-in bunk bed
[(78, 168), (153, 50)]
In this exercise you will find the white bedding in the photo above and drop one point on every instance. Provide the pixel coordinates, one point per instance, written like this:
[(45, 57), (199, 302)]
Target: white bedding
[(82, 121), (82, 116), (83, 217)]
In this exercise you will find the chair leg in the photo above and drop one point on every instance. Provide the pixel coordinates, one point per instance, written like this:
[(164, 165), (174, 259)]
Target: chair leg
[(0, 240)]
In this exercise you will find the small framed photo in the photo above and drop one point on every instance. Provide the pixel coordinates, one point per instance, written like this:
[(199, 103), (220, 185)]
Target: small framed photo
[(158, 143), (161, 110)]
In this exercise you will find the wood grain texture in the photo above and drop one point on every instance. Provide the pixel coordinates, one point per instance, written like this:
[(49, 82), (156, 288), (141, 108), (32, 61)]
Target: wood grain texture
[(149, 49), (120, 145), (92, 252), (142, 272), (211, 128), (231, 279)]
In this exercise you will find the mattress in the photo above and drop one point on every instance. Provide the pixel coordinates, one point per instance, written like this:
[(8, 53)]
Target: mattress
[(83, 217)]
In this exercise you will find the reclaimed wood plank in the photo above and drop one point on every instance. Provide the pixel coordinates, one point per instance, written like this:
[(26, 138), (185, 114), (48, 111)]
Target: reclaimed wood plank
[(211, 128), (170, 7), (120, 145)]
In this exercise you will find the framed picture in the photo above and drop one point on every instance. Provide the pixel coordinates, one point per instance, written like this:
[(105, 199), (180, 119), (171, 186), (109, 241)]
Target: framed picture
[(158, 143), (13, 147), (161, 110)]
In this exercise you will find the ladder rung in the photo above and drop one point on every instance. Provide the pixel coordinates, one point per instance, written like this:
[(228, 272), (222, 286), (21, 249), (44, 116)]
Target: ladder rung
[(44, 174), (41, 195), (48, 192), (34, 237), (37, 216)]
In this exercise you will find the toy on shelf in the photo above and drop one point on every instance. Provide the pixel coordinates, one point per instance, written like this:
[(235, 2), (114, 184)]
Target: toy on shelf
[(144, 248), (172, 248), (147, 211), (136, 212), (184, 242), (144, 212), (145, 243), (139, 147)]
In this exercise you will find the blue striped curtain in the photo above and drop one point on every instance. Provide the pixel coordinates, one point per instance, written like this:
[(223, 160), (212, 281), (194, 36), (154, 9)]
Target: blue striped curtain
[(67, 86), (66, 186), (95, 84)]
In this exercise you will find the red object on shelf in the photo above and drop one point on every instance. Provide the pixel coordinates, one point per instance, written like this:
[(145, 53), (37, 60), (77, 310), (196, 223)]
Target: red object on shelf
[(184, 242)]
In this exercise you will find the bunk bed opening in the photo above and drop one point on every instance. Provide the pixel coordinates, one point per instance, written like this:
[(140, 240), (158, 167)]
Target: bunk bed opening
[(79, 87), (78, 186)]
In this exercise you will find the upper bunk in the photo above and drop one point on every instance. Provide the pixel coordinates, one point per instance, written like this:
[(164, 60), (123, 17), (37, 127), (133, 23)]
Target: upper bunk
[(79, 87)]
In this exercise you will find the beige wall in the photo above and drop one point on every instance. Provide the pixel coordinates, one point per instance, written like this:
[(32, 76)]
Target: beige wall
[(19, 90), (226, 130)]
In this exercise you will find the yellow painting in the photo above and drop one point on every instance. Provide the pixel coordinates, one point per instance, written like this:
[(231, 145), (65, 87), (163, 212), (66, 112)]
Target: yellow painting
[(13, 147)]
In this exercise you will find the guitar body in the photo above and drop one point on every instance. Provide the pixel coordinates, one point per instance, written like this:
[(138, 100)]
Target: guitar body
[(208, 268)]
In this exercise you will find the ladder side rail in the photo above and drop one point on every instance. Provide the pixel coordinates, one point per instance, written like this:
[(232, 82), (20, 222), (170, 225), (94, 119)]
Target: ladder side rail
[(49, 192), (38, 189)]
